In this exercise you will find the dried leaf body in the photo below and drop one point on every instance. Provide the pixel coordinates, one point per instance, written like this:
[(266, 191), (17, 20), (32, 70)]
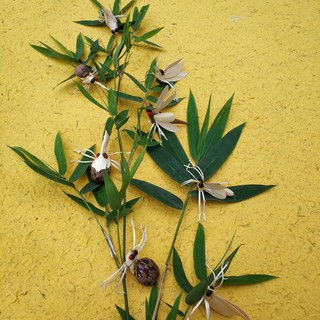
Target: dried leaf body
[(110, 20), (146, 271), (81, 71)]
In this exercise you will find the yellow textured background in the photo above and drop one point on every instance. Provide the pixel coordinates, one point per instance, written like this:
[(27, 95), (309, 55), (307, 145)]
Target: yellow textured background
[(53, 256)]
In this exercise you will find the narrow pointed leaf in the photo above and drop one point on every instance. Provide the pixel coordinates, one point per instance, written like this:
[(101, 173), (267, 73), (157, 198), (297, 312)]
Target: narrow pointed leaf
[(97, 4), (168, 163), (199, 254), (175, 309), (51, 53), (79, 47), (247, 279), (90, 23), (100, 195), (197, 292), (60, 155), (180, 313), (29, 158), (123, 210), (217, 128), (203, 133), (193, 128), (121, 119), (153, 298), (174, 147), (81, 167), (241, 193), (140, 17), (67, 51), (227, 261), (89, 96), (79, 201), (136, 82), (94, 48), (123, 314), (116, 7), (112, 102), (148, 35), (49, 176), (65, 80), (150, 77), (141, 138), (137, 163), (90, 187), (179, 273), (150, 43), (128, 97), (109, 125), (125, 175), (127, 6), (216, 156), (111, 192), (158, 193)]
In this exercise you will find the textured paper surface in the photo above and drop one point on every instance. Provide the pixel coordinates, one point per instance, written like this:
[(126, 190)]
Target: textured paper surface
[(53, 256)]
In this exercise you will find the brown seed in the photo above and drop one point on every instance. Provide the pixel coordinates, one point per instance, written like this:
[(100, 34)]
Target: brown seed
[(98, 176), (146, 271), (81, 71)]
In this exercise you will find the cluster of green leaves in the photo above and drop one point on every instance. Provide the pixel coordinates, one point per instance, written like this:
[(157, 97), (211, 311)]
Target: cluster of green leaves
[(208, 147), (195, 293), (138, 16), (110, 67)]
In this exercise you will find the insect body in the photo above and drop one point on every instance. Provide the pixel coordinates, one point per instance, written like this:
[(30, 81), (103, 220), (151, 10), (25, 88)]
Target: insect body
[(145, 270), (216, 303), (87, 77), (171, 74), (166, 120), (215, 189), (100, 161), (110, 19)]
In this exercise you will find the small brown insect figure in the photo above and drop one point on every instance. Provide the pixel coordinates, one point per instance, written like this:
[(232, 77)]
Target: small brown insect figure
[(110, 19), (145, 270), (216, 303), (165, 120), (100, 161), (87, 77)]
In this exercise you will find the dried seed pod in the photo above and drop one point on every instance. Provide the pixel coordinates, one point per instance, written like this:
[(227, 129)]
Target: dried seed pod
[(97, 176), (81, 71), (146, 271)]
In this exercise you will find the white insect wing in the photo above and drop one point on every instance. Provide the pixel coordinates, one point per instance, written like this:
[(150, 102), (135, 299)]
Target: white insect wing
[(164, 117), (171, 65), (158, 105), (178, 77), (168, 126), (226, 308), (218, 189), (161, 103), (173, 71)]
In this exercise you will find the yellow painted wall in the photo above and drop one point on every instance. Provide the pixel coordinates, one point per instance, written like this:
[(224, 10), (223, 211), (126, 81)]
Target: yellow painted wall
[(53, 256)]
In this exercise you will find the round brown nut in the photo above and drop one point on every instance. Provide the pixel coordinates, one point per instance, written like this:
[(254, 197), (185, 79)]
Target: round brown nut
[(81, 71), (98, 176), (146, 271)]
